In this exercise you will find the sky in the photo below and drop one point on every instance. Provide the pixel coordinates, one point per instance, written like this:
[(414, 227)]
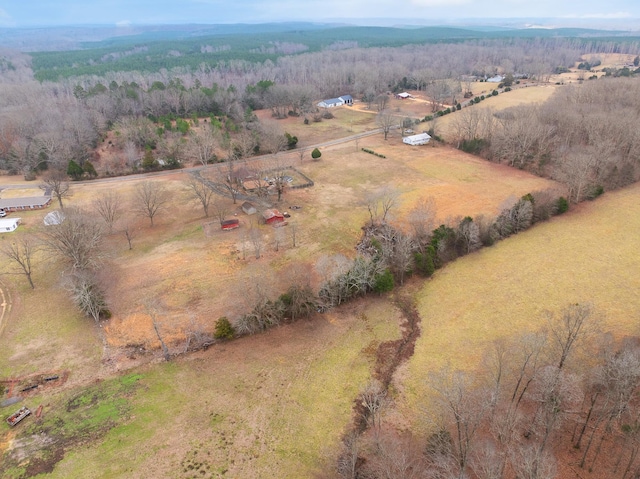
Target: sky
[(28, 13)]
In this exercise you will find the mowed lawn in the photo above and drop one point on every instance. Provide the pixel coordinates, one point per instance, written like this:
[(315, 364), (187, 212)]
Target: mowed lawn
[(588, 255)]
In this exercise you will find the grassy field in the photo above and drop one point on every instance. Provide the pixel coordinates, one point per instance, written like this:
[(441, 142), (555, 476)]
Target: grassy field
[(253, 407), (267, 406), (587, 255)]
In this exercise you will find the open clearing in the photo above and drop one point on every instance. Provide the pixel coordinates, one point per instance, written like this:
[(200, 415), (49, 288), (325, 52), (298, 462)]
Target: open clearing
[(587, 255), (276, 403), (265, 406)]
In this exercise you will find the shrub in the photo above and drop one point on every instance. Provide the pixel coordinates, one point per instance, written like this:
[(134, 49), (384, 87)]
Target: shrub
[(595, 192), (494, 93), (224, 329), (316, 154), (74, 170), (424, 261), (384, 282), (562, 206), (292, 141), (472, 146)]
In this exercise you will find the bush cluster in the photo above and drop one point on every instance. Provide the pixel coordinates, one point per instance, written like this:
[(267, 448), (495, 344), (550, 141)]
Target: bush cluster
[(371, 152)]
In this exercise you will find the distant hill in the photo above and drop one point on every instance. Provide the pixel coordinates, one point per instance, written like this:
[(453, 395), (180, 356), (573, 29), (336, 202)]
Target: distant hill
[(72, 51)]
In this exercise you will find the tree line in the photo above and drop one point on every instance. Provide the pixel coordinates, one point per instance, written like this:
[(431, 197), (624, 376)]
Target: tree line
[(584, 136)]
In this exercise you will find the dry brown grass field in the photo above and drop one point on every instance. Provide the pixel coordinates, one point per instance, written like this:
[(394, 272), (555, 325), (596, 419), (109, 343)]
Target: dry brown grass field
[(588, 255), (268, 406)]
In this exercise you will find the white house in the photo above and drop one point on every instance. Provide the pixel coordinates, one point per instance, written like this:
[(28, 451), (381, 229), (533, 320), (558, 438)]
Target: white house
[(419, 139), (495, 79), (333, 102), (8, 224)]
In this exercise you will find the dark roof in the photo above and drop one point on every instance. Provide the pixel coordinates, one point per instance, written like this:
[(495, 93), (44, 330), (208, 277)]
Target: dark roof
[(27, 202)]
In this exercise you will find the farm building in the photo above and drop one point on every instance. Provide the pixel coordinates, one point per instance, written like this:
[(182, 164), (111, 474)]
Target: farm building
[(403, 96), (495, 79), (248, 208), (22, 204), (333, 102), (9, 224), (419, 139), (228, 225), (273, 217)]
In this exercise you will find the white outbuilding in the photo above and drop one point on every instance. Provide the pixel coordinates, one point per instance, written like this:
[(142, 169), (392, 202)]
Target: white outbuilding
[(8, 225), (419, 139), (53, 218)]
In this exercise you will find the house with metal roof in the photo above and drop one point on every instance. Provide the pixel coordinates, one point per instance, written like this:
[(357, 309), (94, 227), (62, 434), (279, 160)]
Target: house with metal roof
[(25, 204), (333, 102), (8, 225)]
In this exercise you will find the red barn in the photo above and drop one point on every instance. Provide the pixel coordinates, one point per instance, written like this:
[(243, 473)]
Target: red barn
[(273, 217), (227, 225)]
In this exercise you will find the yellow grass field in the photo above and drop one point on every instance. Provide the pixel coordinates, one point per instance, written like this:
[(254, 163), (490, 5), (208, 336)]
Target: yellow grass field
[(587, 255), (272, 405), (522, 95)]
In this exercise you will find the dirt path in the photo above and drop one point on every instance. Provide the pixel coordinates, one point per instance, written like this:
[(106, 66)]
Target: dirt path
[(5, 306)]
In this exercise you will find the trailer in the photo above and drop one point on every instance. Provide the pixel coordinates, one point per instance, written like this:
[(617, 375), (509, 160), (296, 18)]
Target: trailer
[(14, 419)]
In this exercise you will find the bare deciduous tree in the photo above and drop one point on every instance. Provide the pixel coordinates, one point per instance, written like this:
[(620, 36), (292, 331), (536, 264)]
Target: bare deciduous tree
[(380, 202), (199, 192), (56, 183), (154, 309), (21, 252), (150, 198), (78, 239), (109, 206), (203, 146), (386, 120), (87, 293)]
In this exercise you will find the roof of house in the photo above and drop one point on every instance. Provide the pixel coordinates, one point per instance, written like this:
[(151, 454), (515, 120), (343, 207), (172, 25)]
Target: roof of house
[(404, 94), (418, 137), (8, 222), (333, 101), (272, 213), (247, 205), (25, 202), (346, 98), (243, 173), (495, 79)]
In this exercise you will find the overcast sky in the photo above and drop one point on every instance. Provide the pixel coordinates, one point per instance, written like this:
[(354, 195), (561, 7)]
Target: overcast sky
[(78, 12)]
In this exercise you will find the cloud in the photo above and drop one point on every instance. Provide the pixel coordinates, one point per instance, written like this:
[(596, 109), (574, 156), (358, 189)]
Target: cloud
[(123, 23), (605, 16)]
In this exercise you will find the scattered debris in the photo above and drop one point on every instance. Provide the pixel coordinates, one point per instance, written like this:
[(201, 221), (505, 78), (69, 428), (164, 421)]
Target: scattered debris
[(14, 419)]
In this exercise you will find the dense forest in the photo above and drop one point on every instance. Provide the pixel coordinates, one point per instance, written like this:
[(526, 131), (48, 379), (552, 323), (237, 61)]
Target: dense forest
[(49, 123)]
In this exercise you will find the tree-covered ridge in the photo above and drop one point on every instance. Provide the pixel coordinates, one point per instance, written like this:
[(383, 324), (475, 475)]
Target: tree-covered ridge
[(154, 51)]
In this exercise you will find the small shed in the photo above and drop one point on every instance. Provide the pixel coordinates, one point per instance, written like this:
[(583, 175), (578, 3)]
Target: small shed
[(7, 225), (248, 208), (53, 218), (419, 139), (228, 225), (273, 217), (403, 96)]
